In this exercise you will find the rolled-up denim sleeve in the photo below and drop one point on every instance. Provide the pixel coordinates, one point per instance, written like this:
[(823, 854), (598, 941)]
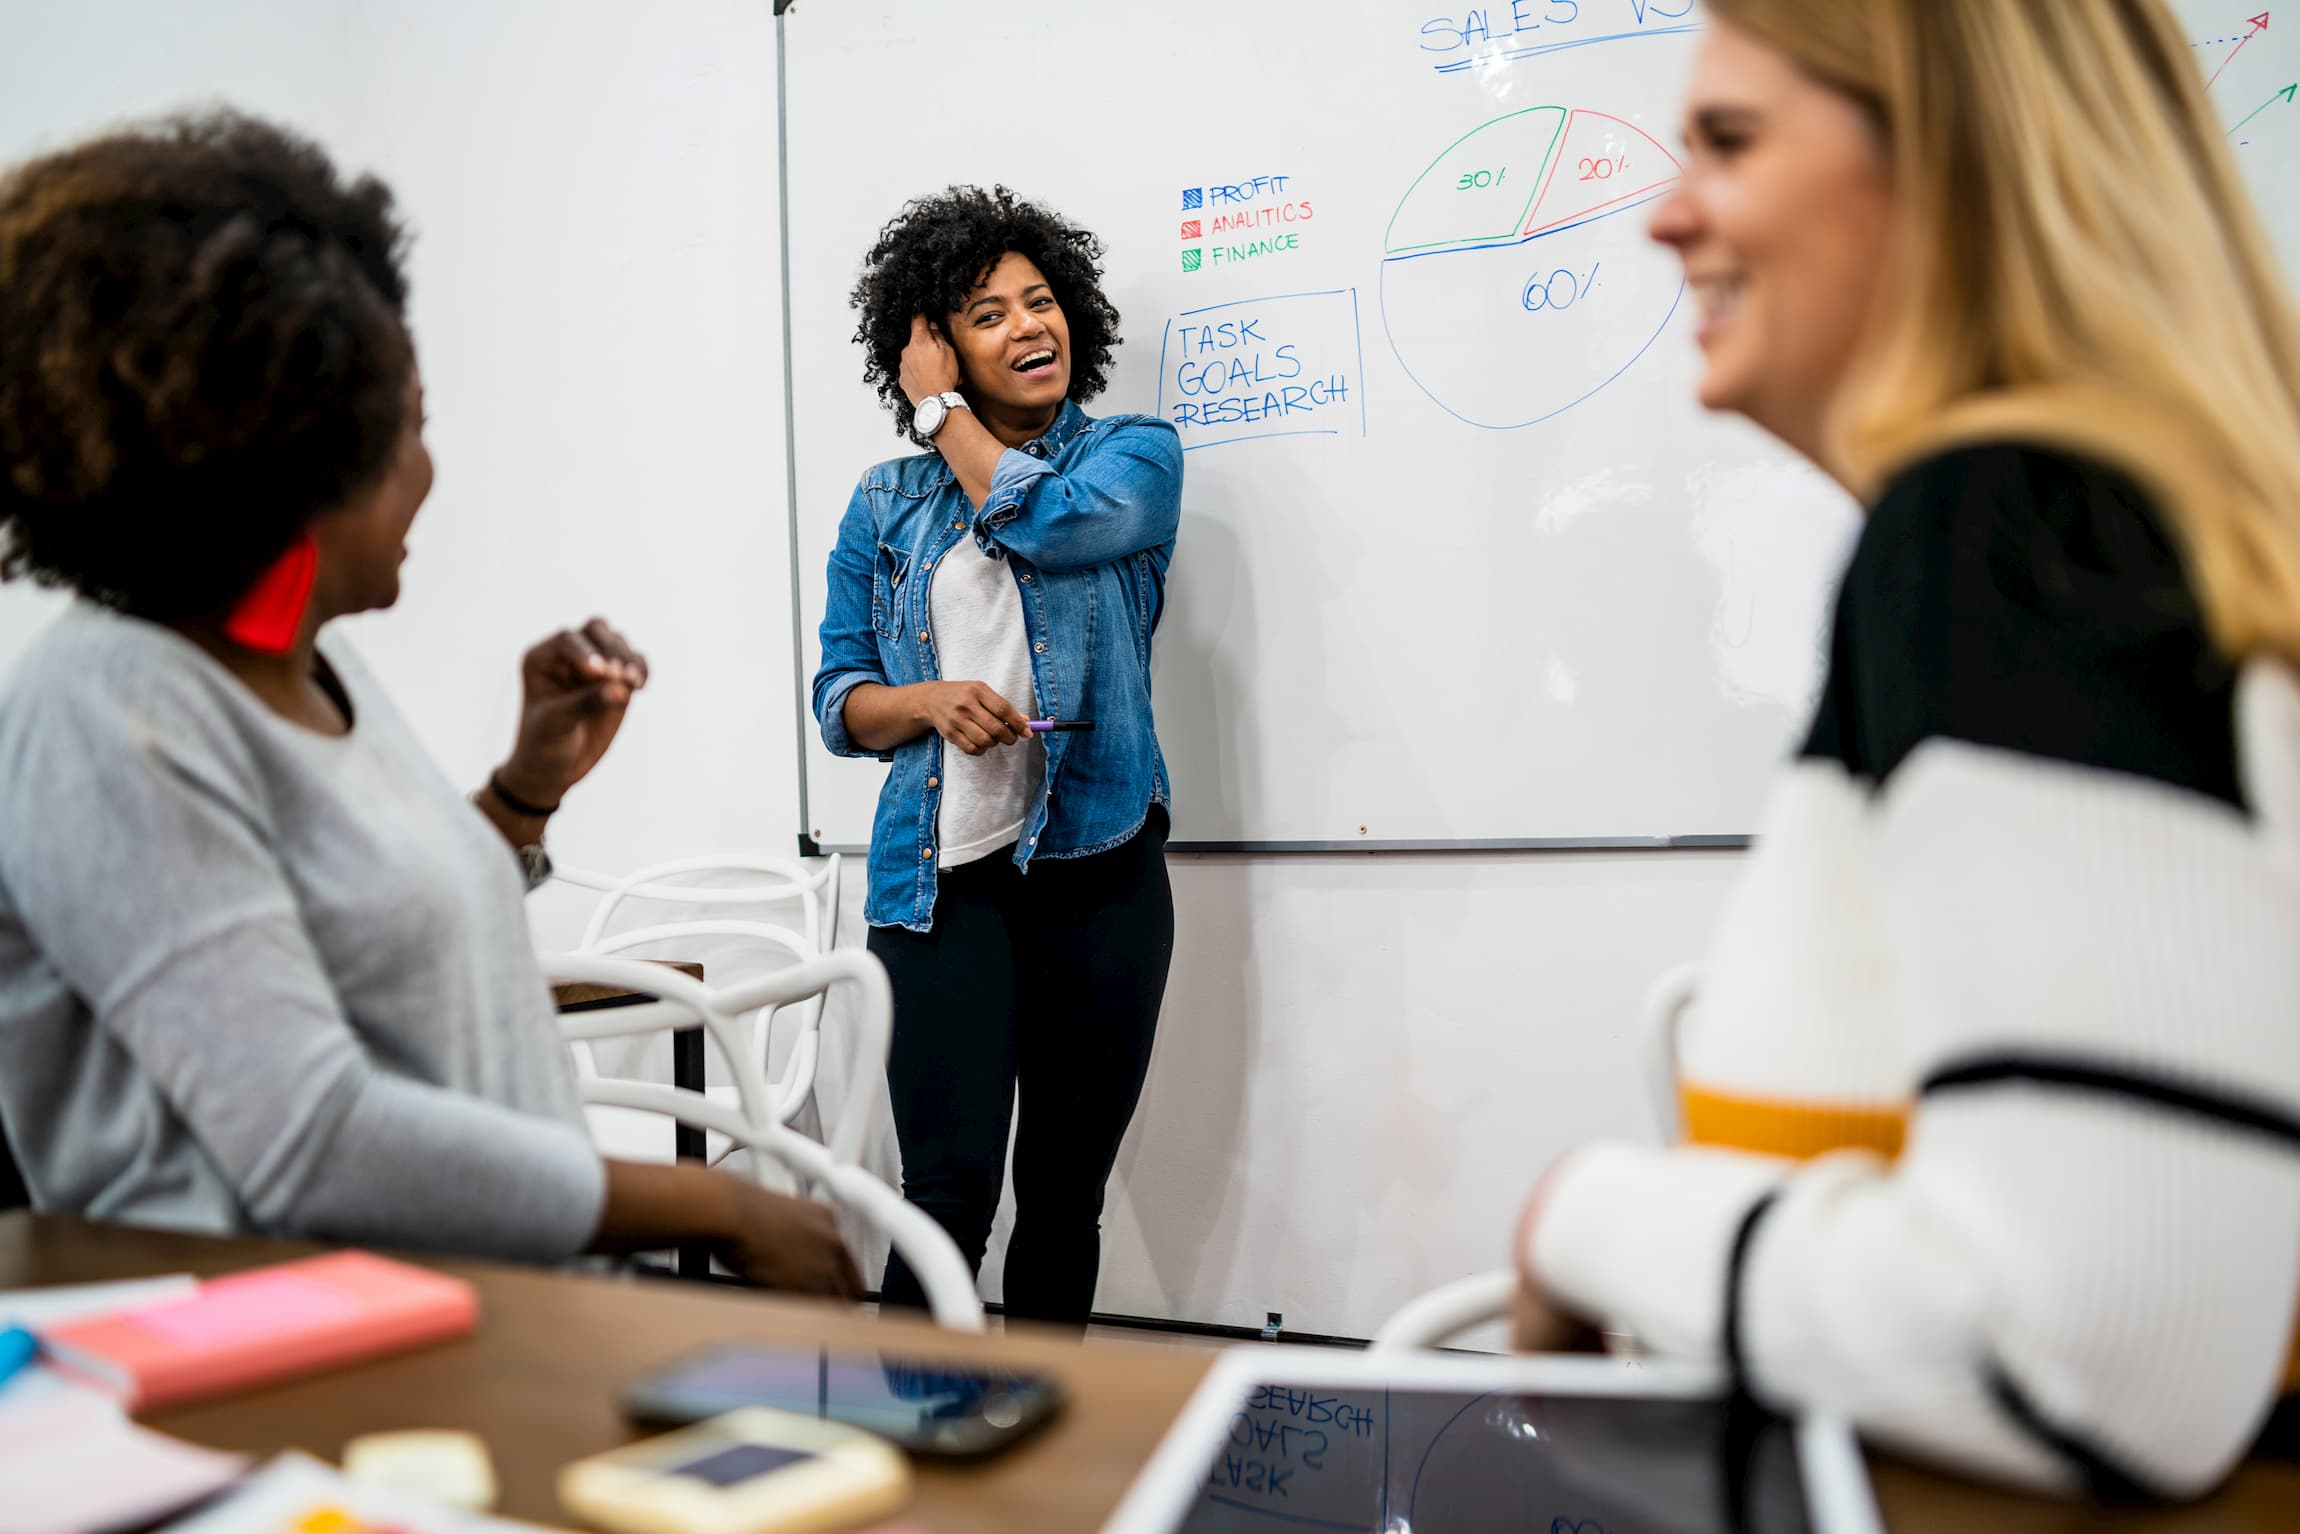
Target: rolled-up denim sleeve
[(849, 644), (1124, 498)]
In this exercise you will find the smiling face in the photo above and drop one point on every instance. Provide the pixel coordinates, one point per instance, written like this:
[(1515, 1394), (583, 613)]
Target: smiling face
[(1782, 220), (1013, 345)]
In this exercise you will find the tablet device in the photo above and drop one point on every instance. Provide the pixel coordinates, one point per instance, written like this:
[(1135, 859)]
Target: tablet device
[(927, 1406), (1288, 1439)]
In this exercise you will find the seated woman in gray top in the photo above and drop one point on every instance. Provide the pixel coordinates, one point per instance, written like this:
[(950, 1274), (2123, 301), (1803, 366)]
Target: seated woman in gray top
[(261, 966)]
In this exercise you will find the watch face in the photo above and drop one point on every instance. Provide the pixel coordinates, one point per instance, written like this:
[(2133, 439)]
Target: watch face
[(928, 418)]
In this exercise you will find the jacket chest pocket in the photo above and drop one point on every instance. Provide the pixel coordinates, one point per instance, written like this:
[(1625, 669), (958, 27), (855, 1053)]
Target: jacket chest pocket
[(890, 582)]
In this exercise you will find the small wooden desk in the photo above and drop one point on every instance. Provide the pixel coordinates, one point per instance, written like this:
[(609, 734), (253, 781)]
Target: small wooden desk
[(538, 1381)]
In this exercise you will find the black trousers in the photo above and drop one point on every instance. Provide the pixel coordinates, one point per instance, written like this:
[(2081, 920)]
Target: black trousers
[(1045, 987)]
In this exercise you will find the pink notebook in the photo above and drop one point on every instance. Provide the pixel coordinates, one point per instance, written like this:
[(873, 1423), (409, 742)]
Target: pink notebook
[(268, 1324)]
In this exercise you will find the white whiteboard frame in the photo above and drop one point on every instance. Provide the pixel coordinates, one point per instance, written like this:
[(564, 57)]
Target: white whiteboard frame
[(1837, 1491), (802, 685)]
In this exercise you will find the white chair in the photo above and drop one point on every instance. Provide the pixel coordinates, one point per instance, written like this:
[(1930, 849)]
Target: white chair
[(816, 890), (1431, 1320), (771, 881), (753, 1122)]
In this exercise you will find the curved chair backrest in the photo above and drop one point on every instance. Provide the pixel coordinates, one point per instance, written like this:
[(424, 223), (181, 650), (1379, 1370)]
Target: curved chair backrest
[(815, 890), (768, 881), (752, 1120), (796, 1084), (1659, 1022)]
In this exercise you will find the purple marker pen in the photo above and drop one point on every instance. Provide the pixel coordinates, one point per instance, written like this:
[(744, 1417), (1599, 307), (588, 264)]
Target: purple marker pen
[(1041, 726)]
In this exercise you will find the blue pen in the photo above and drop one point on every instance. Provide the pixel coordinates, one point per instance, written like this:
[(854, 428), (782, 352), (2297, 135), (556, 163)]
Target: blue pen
[(18, 1347)]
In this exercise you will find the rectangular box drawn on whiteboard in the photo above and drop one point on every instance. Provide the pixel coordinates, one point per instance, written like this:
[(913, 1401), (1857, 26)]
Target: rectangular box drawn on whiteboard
[(1286, 366)]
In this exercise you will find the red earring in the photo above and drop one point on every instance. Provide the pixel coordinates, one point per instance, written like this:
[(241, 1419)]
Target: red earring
[(271, 615)]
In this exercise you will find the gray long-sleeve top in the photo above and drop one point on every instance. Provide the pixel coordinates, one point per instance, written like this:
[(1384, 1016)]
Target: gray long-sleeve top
[(255, 978)]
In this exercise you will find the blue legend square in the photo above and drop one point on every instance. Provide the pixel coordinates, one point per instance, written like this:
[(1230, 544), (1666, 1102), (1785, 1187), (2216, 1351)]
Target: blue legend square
[(1193, 197)]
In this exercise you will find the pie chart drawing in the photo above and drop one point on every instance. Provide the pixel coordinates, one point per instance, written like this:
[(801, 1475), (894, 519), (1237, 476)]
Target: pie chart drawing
[(1517, 279)]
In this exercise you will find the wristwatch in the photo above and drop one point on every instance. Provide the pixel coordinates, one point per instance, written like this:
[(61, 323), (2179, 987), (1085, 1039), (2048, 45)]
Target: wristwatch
[(535, 866), (534, 862), (930, 414)]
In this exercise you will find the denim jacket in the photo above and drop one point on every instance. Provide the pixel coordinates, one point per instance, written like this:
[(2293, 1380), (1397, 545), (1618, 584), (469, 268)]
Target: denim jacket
[(1085, 517)]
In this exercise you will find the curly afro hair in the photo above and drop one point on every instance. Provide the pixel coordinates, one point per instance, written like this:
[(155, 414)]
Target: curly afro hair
[(938, 249), (202, 346)]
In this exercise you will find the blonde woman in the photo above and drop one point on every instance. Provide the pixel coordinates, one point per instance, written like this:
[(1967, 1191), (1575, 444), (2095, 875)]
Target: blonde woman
[(1994, 1076)]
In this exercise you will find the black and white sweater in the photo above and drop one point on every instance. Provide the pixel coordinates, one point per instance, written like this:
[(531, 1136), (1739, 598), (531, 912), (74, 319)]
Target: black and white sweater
[(2031, 892)]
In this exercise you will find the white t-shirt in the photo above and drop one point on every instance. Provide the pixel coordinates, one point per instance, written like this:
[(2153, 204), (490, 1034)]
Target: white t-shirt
[(979, 636)]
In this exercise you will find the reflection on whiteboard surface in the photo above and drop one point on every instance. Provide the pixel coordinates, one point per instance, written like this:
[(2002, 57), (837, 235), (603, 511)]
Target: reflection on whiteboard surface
[(1447, 1444)]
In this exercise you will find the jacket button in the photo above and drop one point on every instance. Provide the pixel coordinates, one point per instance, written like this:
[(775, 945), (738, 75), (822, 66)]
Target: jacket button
[(1040, 647), (922, 636), (958, 527), (930, 782), (922, 569), (926, 852), (1026, 578)]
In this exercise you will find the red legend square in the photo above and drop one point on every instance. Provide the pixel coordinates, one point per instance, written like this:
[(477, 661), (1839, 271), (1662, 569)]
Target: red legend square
[(1190, 228)]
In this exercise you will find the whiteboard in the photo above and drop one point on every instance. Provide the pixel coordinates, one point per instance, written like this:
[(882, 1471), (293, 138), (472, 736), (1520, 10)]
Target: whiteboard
[(1461, 562)]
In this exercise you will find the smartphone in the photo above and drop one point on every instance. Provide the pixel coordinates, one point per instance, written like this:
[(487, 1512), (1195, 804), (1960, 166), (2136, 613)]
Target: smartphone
[(929, 1407)]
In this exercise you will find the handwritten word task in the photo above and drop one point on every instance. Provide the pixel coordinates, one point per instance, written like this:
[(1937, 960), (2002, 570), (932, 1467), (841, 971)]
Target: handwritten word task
[(1302, 1456), (1264, 367)]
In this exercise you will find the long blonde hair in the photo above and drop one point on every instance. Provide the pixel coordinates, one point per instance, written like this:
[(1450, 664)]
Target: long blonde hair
[(2076, 263)]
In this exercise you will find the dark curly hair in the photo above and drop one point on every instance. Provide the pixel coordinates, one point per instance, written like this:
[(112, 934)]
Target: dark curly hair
[(202, 346), (934, 252)]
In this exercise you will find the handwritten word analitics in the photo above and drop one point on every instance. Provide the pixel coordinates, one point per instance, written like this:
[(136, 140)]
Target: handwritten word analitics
[(1518, 29), (1229, 224), (1264, 367)]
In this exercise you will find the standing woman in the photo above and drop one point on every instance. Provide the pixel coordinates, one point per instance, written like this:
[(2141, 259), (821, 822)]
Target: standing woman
[(1013, 572), (1995, 1073)]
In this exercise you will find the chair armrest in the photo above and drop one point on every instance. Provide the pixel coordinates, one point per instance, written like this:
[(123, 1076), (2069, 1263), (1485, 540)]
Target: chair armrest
[(1447, 1311)]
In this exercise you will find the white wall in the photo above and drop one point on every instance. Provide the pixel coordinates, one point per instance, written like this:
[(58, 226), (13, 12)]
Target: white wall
[(596, 305), (1364, 1060), (597, 302), (69, 69)]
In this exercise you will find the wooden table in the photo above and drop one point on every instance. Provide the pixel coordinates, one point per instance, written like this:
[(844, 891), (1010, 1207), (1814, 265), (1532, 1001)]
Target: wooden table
[(537, 1381)]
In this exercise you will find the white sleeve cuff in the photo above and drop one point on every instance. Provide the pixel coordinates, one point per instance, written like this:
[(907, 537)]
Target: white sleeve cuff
[(1639, 1238)]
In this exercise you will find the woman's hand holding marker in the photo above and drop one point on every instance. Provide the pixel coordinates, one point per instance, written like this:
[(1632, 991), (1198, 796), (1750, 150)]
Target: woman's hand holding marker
[(969, 715)]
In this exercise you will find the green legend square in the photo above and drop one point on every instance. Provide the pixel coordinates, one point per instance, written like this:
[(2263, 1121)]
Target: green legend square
[(1191, 259)]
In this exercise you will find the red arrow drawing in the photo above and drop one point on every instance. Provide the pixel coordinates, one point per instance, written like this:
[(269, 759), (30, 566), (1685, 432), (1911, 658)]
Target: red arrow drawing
[(2259, 25)]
